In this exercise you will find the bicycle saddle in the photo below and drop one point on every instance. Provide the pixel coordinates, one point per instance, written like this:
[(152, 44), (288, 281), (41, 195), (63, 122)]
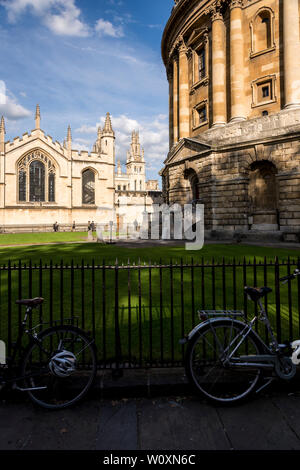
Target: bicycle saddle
[(31, 302), (256, 293)]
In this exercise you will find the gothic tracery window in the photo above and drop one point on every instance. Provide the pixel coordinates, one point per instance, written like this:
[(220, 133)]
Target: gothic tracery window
[(88, 187), (37, 181), (36, 178)]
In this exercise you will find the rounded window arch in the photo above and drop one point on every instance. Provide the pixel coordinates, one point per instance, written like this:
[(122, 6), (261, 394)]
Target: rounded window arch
[(262, 31), (88, 187), (36, 178), (193, 184)]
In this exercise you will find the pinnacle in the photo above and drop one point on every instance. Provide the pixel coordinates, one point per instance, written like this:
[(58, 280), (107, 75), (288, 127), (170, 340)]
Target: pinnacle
[(37, 111), (69, 136), (2, 125), (107, 125)]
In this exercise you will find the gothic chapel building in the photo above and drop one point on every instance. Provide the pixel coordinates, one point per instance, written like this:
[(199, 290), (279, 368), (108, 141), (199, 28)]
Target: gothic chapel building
[(233, 68), (43, 182)]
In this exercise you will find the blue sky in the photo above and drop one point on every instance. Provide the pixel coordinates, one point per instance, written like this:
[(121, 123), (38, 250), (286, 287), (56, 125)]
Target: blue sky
[(81, 58)]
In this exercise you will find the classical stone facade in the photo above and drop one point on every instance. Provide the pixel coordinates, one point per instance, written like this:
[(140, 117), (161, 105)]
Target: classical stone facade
[(234, 98), (43, 181)]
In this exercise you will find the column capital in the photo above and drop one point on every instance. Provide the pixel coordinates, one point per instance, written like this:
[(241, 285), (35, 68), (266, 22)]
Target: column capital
[(235, 4), (215, 10), (181, 45)]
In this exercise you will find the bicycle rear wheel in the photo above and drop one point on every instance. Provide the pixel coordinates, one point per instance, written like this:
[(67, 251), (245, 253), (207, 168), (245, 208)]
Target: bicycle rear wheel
[(52, 386), (206, 362)]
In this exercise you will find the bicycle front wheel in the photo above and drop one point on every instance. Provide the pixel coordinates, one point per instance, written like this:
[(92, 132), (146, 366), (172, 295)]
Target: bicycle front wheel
[(208, 368), (60, 367)]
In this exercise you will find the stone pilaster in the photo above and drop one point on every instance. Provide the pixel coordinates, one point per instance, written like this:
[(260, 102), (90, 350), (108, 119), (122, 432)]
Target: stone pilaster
[(238, 112), (184, 97), (218, 68), (171, 112), (291, 52), (175, 101)]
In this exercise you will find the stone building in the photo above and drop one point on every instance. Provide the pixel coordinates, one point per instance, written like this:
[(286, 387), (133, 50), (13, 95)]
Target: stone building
[(233, 68), (43, 181)]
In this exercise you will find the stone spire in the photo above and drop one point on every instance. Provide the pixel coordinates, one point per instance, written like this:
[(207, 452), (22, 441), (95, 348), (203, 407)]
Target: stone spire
[(2, 126), (135, 146), (69, 135), (37, 117), (2, 135), (107, 129), (69, 141), (119, 170)]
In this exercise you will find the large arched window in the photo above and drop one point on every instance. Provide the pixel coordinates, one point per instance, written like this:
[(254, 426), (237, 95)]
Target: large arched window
[(36, 178), (37, 181), (88, 187), (22, 185)]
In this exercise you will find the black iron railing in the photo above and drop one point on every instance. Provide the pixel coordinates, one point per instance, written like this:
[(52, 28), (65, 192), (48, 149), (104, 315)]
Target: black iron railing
[(138, 312)]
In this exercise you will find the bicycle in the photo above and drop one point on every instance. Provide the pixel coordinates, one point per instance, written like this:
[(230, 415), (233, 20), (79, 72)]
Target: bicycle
[(227, 361), (57, 368)]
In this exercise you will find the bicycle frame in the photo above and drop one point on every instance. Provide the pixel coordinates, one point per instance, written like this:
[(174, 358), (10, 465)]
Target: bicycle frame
[(8, 376), (273, 354)]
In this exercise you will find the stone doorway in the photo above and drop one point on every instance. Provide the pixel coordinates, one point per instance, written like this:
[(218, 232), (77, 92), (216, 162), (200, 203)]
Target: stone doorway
[(263, 196)]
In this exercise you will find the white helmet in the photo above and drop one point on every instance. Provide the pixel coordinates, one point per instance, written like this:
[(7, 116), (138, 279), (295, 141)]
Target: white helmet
[(63, 364), (296, 354)]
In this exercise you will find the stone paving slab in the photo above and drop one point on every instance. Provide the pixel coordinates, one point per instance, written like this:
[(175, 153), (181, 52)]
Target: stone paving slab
[(268, 422)]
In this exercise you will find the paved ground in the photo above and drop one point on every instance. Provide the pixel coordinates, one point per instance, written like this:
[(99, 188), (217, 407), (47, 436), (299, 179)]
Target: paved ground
[(173, 420)]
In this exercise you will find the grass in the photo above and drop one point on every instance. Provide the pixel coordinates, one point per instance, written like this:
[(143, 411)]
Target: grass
[(98, 252), (158, 313), (38, 238)]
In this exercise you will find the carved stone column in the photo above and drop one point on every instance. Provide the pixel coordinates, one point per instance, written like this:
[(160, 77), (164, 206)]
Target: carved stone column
[(291, 51), (238, 107), (175, 101), (218, 68), (184, 97)]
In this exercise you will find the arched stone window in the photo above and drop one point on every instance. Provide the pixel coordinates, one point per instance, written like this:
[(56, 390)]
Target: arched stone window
[(88, 187), (37, 181), (22, 185), (36, 178), (262, 31), (51, 187), (193, 192)]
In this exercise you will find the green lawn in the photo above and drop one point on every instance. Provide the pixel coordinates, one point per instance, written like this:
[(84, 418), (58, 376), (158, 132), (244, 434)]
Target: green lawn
[(162, 315), (37, 238)]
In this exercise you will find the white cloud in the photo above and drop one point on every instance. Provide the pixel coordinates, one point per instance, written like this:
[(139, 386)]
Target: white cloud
[(62, 17), (106, 28), (86, 129), (9, 107)]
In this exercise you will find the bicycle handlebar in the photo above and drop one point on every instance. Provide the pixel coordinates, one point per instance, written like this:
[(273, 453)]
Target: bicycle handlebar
[(289, 277)]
